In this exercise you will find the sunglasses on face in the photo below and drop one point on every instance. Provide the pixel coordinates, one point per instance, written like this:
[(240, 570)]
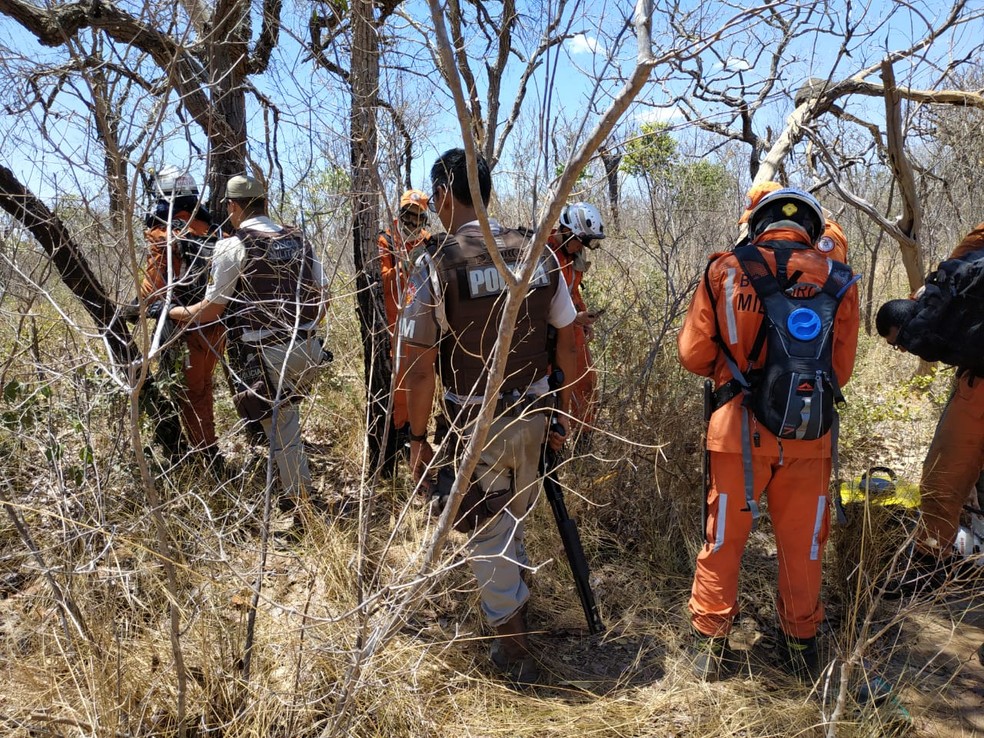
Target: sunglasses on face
[(413, 220), (432, 203)]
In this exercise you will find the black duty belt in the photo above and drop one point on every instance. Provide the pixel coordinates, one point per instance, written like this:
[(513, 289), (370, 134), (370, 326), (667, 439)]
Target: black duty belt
[(725, 394), (509, 405)]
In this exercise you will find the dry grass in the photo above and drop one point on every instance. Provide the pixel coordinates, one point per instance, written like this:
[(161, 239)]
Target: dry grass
[(636, 497)]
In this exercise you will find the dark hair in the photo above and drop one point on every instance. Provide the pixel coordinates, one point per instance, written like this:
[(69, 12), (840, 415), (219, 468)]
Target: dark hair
[(451, 170), (252, 206), (894, 314)]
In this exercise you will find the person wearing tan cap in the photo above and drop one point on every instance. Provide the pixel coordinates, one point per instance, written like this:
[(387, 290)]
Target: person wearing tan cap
[(268, 287), (396, 244), (833, 242)]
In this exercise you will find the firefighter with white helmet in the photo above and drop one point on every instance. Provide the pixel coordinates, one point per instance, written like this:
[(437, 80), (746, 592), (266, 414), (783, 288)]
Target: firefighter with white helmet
[(580, 227), (180, 235)]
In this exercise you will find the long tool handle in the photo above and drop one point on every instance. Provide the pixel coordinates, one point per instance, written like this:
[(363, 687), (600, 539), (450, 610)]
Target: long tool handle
[(572, 547)]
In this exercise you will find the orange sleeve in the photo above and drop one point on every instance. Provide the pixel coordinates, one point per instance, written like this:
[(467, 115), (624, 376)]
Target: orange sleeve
[(695, 343), (838, 241), (388, 273), (155, 269), (973, 241)]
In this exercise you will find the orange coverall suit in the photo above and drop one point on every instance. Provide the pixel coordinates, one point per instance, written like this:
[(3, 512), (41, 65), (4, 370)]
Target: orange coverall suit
[(394, 267), (583, 390), (204, 344), (794, 474), (956, 453), (833, 242)]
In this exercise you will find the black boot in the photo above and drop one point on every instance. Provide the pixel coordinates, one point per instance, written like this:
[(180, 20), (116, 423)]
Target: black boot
[(711, 657), (800, 657)]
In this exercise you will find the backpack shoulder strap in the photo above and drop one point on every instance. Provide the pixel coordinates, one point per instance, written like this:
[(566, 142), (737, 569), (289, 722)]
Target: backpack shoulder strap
[(739, 383), (839, 280), (754, 266)]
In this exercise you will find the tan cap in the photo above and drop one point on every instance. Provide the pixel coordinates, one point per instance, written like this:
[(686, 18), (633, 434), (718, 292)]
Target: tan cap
[(241, 187), (414, 199)]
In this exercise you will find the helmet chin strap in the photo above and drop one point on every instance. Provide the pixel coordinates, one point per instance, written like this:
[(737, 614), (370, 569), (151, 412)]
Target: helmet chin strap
[(566, 241)]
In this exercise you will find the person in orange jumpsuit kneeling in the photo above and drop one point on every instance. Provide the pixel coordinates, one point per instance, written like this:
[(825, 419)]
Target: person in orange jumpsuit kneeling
[(724, 319), (396, 244), (580, 226), (177, 215)]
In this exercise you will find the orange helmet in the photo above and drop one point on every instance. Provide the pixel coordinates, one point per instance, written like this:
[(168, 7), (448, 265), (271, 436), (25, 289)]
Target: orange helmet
[(755, 196), (414, 199)]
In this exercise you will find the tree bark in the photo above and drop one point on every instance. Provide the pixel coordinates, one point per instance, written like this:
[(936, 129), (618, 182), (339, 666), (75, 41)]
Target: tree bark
[(67, 258), (611, 160), (911, 218), (365, 206)]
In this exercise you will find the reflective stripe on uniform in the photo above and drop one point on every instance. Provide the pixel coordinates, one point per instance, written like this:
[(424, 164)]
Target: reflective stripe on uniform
[(817, 523), (722, 521), (729, 296)]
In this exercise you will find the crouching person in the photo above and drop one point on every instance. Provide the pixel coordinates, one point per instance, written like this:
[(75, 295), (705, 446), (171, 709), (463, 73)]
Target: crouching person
[(268, 287)]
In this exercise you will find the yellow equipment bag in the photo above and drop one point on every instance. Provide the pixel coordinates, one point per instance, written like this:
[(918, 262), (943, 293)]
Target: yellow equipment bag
[(879, 486)]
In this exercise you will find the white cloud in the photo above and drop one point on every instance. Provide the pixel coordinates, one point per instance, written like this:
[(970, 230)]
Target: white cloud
[(734, 64), (582, 44), (659, 115)]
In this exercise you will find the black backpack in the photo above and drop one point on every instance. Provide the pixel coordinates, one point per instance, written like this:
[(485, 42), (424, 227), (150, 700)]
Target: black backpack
[(948, 324), (795, 392), (196, 258)]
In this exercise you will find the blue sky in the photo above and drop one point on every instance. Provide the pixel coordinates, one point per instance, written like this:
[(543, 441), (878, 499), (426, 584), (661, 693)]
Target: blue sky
[(313, 104)]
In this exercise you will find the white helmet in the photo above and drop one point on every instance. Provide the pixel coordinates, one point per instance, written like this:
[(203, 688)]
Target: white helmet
[(171, 181), (583, 219), (788, 207)]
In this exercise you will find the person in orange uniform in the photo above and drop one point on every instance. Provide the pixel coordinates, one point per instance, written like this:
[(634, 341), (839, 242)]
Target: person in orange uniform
[(580, 226), (176, 214), (396, 244), (794, 474), (832, 243), (954, 461)]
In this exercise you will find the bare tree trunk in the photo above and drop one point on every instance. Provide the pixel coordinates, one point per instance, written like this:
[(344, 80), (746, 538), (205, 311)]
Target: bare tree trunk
[(911, 220), (611, 160), (365, 205), (228, 49), (67, 258)]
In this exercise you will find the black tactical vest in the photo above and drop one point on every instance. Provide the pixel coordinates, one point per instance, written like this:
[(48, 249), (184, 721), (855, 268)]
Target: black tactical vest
[(276, 290), (474, 296)]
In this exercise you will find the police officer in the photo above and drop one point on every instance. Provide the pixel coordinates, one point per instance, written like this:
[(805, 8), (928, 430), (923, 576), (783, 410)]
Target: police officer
[(452, 322), (268, 287)]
